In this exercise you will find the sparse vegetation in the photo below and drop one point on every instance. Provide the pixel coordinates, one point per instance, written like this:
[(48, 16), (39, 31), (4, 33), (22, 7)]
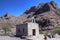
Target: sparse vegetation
[(6, 27), (56, 30), (44, 32), (44, 22)]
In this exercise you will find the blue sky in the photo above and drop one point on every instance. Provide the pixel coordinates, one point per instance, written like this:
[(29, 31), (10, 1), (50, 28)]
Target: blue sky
[(17, 7)]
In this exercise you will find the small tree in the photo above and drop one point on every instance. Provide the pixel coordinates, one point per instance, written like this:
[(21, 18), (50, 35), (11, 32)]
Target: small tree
[(6, 28)]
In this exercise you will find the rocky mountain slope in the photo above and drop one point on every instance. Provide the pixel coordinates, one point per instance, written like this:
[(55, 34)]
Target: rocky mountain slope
[(46, 14)]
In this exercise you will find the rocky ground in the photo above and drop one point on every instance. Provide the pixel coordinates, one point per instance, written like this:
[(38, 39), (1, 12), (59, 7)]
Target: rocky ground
[(33, 38), (54, 39), (9, 38), (41, 37)]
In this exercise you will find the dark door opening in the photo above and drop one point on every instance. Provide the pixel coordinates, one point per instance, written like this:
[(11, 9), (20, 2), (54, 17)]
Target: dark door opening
[(34, 32)]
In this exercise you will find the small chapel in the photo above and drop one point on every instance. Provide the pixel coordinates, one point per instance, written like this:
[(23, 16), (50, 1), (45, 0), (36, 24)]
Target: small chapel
[(27, 29)]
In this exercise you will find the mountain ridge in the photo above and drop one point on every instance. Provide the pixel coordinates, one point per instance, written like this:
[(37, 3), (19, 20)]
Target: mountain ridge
[(45, 11)]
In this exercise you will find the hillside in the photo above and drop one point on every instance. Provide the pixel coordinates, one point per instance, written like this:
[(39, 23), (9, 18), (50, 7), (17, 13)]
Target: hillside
[(47, 15)]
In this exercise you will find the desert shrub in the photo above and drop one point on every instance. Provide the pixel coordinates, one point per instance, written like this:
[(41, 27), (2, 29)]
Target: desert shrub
[(57, 30), (44, 22), (44, 32), (6, 27)]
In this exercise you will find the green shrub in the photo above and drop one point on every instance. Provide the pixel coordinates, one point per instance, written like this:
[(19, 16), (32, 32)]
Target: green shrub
[(56, 30), (6, 27), (44, 32)]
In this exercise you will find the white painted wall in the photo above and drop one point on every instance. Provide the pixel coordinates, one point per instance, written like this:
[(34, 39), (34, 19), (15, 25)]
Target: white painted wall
[(33, 26)]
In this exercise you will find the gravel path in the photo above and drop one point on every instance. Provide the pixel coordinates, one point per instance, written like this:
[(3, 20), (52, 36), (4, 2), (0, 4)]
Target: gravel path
[(54, 39), (34, 38), (9, 38)]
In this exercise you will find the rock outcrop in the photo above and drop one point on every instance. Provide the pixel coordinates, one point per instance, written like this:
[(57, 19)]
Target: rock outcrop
[(46, 11)]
